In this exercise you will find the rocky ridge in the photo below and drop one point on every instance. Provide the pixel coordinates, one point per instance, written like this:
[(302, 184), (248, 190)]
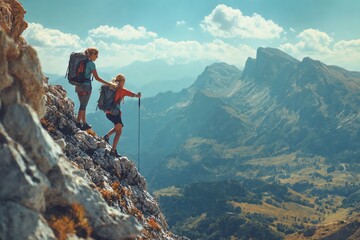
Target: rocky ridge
[(58, 181), (12, 19), (117, 179)]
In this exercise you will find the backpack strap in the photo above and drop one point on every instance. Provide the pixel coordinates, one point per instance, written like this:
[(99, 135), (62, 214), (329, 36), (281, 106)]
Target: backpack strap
[(67, 70), (86, 61)]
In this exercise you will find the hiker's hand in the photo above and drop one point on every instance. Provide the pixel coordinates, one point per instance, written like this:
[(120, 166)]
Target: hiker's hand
[(114, 85), (138, 95)]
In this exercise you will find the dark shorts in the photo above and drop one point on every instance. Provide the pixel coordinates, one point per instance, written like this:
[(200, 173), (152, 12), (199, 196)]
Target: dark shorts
[(115, 119)]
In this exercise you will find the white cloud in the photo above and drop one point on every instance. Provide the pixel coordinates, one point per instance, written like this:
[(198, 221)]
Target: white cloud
[(352, 45), (227, 22), (183, 23), (115, 54), (53, 46), (54, 60), (319, 45), (127, 32), (180, 23), (312, 40), (37, 35), (346, 54), (289, 48)]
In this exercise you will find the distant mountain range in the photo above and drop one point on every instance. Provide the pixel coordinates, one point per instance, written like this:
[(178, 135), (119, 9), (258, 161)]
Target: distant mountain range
[(280, 120), (277, 105)]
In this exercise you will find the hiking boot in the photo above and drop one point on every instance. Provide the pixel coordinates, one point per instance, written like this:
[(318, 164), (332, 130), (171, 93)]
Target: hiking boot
[(85, 126), (78, 125), (106, 139), (115, 154)]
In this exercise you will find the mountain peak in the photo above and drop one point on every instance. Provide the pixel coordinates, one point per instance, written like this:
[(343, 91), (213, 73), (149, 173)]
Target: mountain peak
[(217, 78), (309, 64), (268, 64), (273, 53), (310, 61)]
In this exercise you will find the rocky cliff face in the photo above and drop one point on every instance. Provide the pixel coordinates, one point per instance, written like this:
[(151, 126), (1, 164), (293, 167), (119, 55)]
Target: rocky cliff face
[(12, 19), (58, 181), (116, 179)]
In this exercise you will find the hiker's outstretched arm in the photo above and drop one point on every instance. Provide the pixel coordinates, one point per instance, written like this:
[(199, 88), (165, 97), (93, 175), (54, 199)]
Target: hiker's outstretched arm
[(96, 76), (131, 94)]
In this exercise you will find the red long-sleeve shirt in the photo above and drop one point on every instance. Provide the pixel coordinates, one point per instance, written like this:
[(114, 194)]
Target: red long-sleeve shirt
[(120, 94)]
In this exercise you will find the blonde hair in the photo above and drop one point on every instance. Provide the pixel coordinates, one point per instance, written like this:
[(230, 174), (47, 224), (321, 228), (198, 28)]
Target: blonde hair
[(119, 78), (91, 50)]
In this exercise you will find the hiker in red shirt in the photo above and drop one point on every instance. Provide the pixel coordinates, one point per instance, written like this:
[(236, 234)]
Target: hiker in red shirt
[(115, 114)]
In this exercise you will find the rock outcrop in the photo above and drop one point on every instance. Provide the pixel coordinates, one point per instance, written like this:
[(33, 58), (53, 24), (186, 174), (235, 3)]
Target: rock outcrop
[(36, 175), (58, 181), (117, 179), (12, 19)]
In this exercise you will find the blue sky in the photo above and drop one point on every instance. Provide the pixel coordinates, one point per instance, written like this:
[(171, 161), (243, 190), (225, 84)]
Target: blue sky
[(183, 31)]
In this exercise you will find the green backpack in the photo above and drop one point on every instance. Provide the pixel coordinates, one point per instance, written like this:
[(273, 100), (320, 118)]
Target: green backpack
[(106, 98)]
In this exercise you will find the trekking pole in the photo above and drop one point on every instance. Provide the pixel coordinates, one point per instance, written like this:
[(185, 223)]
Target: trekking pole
[(139, 139)]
